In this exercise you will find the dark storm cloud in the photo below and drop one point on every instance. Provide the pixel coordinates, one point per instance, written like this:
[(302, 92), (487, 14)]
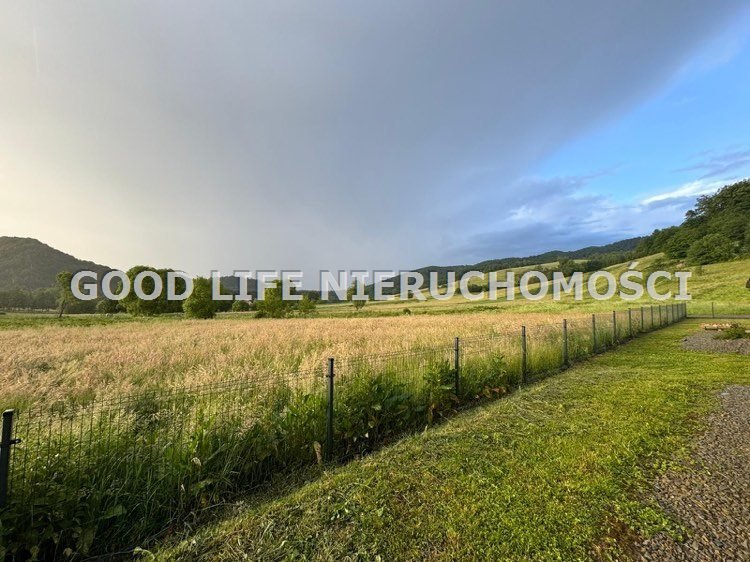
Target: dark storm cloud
[(314, 134), (559, 213)]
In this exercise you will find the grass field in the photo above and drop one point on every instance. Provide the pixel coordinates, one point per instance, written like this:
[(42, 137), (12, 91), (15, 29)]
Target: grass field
[(557, 471), (85, 357), (110, 471), (131, 422), (722, 283), (50, 363)]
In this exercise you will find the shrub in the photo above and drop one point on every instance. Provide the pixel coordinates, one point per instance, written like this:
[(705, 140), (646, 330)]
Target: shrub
[(440, 380), (370, 409), (106, 306), (484, 377), (306, 305), (734, 332), (240, 306)]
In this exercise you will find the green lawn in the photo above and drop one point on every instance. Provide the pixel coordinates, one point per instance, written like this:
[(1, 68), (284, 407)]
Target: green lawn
[(557, 471)]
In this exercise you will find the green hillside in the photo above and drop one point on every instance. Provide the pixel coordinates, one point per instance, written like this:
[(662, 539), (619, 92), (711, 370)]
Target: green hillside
[(724, 284), (28, 264)]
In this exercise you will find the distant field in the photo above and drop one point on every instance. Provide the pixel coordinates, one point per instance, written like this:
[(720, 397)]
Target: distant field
[(47, 362), (722, 283)]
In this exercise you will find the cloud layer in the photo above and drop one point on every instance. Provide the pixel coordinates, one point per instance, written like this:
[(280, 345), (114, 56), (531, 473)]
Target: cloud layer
[(319, 135), (560, 210)]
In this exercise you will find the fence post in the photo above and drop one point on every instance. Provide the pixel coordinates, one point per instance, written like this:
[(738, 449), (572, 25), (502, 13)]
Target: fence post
[(614, 328), (523, 355), (660, 321), (652, 318), (329, 411), (643, 325), (457, 365), (593, 332), (630, 323), (6, 442), (566, 361)]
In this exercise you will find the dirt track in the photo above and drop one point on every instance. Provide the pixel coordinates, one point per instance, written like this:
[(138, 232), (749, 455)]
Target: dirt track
[(712, 498)]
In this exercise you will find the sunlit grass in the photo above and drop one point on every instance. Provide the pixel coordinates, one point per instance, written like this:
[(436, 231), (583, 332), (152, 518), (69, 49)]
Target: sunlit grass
[(558, 471), (50, 363)]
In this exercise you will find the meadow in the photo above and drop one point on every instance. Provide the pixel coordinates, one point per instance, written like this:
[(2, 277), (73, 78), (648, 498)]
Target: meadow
[(131, 428), (81, 358), (50, 363)]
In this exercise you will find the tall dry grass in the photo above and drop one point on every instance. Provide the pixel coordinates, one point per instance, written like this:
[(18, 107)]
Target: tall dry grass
[(48, 364)]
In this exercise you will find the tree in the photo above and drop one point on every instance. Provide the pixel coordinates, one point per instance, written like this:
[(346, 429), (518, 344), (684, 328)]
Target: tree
[(273, 305), (711, 248), (568, 267), (677, 246), (160, 305), (353, 291), (240, 305), (65, 296), (306, 305), (200, 303)]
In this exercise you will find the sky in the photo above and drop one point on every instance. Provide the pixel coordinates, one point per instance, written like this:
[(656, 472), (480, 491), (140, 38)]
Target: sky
[(349, 135)]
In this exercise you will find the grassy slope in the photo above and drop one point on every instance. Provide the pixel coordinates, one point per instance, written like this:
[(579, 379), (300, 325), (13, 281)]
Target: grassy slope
[(722, 282), (548, 473)]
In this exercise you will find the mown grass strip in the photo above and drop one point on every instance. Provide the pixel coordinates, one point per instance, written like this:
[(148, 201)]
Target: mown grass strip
[(551, 473)]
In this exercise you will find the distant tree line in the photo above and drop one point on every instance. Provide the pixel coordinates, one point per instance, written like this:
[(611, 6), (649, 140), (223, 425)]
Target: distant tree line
[(199, 304)]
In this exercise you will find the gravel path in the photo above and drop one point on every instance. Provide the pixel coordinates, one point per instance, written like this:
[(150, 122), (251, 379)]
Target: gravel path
[(712, 499), (705, 341)]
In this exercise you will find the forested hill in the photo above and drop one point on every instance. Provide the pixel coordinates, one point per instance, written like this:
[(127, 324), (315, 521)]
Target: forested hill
[(717, 229), (28, 264), (597, 256)]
